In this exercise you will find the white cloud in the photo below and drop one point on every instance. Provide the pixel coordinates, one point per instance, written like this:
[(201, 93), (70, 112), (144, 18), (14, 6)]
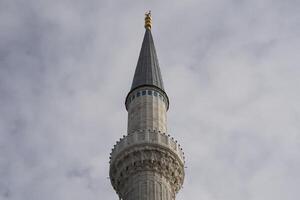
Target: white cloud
[(230, 69)]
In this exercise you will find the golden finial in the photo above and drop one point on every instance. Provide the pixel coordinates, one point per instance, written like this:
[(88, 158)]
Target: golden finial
[(148, 20)]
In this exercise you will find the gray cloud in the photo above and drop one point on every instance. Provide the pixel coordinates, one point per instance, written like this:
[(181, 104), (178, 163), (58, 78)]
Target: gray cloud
[(230, 69)]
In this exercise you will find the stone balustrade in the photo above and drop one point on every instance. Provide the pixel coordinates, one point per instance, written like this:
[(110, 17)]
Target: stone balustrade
[(147, 137)]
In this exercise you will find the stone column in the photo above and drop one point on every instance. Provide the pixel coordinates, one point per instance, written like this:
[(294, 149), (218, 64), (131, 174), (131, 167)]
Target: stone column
[(147, 109), (148, 185)]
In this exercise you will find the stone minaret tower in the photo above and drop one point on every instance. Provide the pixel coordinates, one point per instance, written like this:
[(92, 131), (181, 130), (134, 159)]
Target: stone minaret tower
[(147, 164)]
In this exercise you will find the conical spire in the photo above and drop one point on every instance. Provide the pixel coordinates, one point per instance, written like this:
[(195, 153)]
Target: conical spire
[(147, 71)]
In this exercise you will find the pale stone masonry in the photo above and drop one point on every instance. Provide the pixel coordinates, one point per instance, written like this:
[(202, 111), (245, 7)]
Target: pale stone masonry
[(147, 163), (147, 110)]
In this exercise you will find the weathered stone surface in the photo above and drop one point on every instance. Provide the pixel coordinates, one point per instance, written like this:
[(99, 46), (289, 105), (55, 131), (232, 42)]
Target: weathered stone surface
[(147, 111), (144, 137), (148, 186), (157, 167)]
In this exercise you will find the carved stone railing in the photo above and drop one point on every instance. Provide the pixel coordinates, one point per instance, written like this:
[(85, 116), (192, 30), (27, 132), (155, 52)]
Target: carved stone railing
[(149, 137), (146, 151)]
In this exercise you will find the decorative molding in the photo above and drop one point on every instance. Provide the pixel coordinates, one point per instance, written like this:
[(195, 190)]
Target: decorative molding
[(146, 158), (147, 137), (146, 151)]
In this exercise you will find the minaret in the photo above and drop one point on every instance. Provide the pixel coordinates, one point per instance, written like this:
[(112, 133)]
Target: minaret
[(147, 164)]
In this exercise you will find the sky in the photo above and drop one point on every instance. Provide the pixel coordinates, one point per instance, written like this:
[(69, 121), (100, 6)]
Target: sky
[(230, 68)]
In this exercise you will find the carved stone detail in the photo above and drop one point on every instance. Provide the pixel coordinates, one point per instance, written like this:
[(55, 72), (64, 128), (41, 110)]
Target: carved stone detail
[(141, 158), (147, 137)]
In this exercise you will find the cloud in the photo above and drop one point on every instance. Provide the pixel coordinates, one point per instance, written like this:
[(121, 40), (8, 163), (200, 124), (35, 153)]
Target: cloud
[(229, 68)]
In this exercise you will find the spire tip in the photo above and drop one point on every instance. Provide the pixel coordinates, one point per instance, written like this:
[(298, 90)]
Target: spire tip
[(148, 20)]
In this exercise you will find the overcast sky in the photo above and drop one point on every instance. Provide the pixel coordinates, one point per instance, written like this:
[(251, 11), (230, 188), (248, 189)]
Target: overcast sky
[(231, 70)]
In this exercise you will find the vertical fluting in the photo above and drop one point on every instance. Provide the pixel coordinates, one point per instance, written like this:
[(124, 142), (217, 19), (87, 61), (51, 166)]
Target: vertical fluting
[(148, 186)]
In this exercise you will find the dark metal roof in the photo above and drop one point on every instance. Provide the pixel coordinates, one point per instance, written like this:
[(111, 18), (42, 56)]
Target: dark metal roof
[(147, 71)]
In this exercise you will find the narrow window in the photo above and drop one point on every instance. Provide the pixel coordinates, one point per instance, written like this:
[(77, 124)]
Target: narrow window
[(143, 92), (149, 92), (138, 94), (133, 97), (155, 94)]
